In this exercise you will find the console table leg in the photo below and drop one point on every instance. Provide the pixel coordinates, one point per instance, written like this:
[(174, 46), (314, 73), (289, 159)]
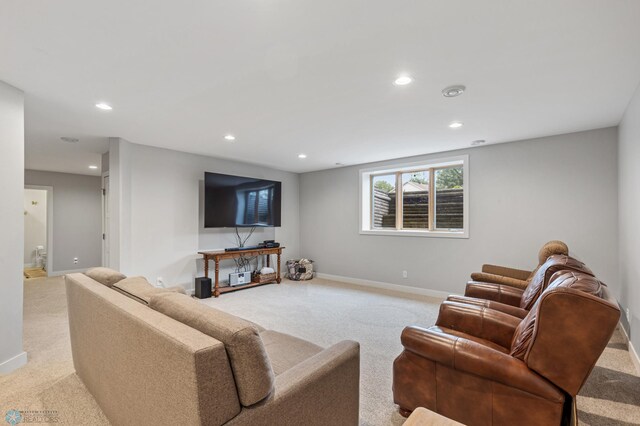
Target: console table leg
[(206, 267), (216, 290), (279, 279)]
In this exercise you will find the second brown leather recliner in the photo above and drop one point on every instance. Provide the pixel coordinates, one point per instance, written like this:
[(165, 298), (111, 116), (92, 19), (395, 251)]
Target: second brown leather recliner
[(514, 301), (519, 278), (484, 367)]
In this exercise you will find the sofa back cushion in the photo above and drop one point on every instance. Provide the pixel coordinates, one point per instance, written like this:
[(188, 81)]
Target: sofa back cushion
[(250, 363), (141, 290), (105, 276), (523, 336), (569, 326), (542, 277), (551, 248)]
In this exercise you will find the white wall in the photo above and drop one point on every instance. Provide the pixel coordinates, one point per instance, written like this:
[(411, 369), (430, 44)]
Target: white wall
[(157, 197), (35, 224), (77, 218), (12, 355), (629, 206), (522, 194)]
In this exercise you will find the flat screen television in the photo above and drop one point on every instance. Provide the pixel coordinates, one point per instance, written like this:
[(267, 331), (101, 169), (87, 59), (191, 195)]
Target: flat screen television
[(236, 201)]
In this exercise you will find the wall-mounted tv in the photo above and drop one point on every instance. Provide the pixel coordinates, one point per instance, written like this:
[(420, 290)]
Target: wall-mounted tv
[(236, 201)]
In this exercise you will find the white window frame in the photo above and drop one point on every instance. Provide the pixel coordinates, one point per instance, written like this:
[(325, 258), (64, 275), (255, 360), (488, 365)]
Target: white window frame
[(365, 222)]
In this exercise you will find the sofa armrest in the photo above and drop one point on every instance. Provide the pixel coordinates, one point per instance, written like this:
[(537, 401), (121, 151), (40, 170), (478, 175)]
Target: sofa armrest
[(499, 279), (519, 274), (478, 321), (323, 389), (496, 292), (490, 304), (474, 358)]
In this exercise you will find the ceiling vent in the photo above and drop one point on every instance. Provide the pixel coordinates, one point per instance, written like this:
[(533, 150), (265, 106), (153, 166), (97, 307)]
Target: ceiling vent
[(453, 91)]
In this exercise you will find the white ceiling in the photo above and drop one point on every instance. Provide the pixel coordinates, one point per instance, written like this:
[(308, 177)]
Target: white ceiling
[(292, 76)]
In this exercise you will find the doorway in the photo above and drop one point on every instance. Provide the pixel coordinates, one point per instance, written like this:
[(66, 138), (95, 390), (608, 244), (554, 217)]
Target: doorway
[(38, 235), (105, 220)]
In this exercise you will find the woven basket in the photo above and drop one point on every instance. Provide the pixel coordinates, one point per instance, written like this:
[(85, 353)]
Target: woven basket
[(264, 278)]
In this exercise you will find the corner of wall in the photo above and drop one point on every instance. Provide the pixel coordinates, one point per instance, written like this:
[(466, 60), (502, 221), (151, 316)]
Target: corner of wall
[(12, 354)]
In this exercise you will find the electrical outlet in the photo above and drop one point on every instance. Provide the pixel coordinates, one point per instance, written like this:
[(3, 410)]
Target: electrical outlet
[(628, 315), (404, 274), (75, 260)]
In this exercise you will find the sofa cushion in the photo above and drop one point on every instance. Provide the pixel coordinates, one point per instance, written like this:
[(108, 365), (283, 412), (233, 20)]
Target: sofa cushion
[(543, 275), (524, 336), (250, 363), (551, 248), (138, 288), (105, 276), (286, 351)]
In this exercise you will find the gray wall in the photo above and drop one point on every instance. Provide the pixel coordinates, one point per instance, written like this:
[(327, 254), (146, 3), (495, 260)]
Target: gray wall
[(12, 222), (521, 195), (629, 202), (77, 218), (157, 197)]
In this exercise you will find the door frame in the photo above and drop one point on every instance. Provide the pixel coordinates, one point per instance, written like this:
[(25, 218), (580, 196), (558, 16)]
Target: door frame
[(49, 190), (105, 232)]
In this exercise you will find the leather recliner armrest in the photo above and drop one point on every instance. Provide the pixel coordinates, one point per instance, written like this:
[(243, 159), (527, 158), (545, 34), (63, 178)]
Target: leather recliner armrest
[(473, 358), (478, 321), (499, 279), (519, 274), (497, 292), (490, 304)]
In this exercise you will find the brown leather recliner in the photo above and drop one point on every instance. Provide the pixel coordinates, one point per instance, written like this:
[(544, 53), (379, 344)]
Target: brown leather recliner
[(483, 367), (514, 301), (519, 278)]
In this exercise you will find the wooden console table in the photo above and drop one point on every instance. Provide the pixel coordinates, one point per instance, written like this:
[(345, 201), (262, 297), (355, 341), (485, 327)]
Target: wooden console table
[(219, 255)]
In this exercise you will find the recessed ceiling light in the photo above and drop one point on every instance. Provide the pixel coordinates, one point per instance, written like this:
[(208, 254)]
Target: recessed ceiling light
[(230, 137), (104, 106), (455, 124), (92, 167), (403, 80), (478, 142), (302, 155), (453, 91), (70, 140)]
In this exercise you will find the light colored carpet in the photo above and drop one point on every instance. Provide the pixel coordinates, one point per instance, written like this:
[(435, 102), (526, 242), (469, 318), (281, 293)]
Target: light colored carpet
[(321, 311)]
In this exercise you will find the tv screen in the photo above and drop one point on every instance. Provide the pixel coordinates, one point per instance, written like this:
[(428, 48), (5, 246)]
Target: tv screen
[(235, 201)]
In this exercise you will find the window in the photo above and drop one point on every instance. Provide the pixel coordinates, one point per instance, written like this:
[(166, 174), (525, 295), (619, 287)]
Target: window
[(417, 199)]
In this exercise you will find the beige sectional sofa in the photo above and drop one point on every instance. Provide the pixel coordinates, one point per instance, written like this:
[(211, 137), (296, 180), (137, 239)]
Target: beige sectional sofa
[(154, 356)]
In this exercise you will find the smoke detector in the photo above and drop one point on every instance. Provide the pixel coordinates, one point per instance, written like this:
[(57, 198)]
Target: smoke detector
[(453, 91)]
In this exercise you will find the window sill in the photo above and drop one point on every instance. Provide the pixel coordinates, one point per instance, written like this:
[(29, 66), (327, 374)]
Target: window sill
[(413, 233)]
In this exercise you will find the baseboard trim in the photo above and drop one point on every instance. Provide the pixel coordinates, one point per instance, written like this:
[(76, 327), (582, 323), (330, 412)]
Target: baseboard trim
[(634, 357), (386, 286), (70, 271), (14, 363), (633, 354)]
